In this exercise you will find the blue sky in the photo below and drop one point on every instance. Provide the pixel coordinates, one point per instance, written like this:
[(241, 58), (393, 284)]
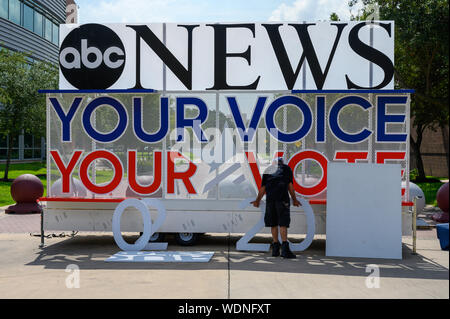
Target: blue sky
[(121, 11)]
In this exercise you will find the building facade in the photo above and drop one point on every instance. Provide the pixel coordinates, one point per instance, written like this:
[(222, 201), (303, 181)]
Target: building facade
[(30, 26), (435, 152)]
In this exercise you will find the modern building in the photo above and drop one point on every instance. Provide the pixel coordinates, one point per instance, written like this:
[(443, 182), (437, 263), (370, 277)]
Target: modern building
[(31, 26)]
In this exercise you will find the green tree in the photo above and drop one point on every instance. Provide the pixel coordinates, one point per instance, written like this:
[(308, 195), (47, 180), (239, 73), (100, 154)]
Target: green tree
[(22, 108), (421, 61), (334, 17)]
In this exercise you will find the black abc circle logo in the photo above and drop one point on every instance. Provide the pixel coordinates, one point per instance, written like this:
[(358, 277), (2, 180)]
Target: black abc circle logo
[(92, 56)]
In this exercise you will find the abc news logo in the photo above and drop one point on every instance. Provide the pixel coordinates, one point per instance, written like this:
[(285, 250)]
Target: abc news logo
[(92, 57)]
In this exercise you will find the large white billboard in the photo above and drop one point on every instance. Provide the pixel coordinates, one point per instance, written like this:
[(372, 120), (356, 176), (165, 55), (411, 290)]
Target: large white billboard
[(235, 56)]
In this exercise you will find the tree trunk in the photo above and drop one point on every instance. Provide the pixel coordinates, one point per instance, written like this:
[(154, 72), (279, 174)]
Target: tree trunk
[(8, 157), (418, 155), (446, 147)]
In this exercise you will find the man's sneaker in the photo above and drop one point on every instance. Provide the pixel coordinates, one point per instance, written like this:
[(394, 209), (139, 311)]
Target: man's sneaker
[(286, 251), (275, 249)]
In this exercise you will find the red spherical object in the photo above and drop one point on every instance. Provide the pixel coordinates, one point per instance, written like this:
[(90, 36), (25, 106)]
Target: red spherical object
[(27, 188), (442, 198)]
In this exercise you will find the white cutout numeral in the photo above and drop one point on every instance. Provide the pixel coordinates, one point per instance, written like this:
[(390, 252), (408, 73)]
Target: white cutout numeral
[(149, 229), (155, 203), (243, 243), (144, 238), (310, 227)]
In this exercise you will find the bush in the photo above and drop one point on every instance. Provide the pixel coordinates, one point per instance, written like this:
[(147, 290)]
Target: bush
[(430, 191), (413, 174)]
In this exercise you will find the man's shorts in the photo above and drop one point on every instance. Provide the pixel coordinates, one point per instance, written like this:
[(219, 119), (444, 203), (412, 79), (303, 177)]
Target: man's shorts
[(277, 214)]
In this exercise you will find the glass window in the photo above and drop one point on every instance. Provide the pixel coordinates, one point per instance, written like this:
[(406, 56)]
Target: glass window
[(55, 34), (15, 153), (48, 29), (15, 142), (3, 142), (28, 17), (37, 142), (3, 153), (4, 9), (14, 11), (27, 154), (28, 140), (38, 23)]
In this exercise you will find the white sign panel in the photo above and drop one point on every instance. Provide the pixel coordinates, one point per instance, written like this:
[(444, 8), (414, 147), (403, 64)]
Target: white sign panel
[(236, 56), (364, 211)]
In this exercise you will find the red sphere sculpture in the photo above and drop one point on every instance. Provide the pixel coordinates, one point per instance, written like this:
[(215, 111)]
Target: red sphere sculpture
[(26, 190), (442, 201)]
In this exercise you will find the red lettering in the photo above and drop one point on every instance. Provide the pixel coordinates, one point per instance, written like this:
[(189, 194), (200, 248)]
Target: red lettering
[(323, 162), (254, 168), (118, 172), (350, 157), (383, 156), (66, 171), (132, 174), (184, 176)]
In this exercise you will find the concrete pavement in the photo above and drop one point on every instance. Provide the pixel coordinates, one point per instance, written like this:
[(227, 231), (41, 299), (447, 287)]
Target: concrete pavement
[(29, 272)]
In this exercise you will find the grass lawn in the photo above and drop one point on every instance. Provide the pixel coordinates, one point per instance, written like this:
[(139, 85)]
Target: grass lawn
[(430, 190), (103, 176), (38, 169), (15, 170)]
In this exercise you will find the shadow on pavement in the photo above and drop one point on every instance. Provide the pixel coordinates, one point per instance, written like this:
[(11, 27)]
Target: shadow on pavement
[(90, 252)]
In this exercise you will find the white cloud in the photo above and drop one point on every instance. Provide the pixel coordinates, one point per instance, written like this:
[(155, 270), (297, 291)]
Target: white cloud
[(312, 10), (124, 11), (147, 11)]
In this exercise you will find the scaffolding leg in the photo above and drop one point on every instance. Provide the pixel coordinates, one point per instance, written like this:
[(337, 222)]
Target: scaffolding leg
[(414, 226), (41, 245)]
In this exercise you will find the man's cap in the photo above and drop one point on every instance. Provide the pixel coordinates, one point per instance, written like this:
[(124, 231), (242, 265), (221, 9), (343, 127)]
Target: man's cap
[(278, 160)]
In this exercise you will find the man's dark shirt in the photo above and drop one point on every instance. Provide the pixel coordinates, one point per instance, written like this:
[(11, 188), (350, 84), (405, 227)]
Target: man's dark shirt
[(276, 179)]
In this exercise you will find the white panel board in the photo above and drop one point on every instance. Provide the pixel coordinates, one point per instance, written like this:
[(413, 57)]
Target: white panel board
[(364, 211), (255, 57)]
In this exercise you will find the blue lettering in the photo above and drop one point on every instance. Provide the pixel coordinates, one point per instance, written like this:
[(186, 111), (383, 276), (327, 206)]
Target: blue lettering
[(117, 132), (246, 134), (137, 121), (383, 118), (334, 119), (301, 132), (195, 123), (66, 119), (320, 125)]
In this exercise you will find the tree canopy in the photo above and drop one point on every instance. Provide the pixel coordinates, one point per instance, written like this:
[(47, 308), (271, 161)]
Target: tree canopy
[(421, 59), (22, 108)]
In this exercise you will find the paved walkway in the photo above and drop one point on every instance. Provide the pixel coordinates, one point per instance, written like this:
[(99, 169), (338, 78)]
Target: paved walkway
[(19, 223), (29, 272)]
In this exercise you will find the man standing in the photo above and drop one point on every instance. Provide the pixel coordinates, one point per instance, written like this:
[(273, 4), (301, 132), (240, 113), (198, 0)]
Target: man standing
[(277, 185)]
